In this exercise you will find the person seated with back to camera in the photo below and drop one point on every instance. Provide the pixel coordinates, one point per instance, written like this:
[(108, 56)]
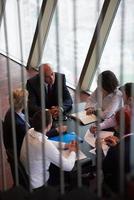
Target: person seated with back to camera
[(107, 97), (41, 149), (110, 170), (54, 84)]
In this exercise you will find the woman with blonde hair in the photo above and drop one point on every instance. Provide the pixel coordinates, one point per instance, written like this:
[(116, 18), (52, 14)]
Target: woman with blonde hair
[(19, 98)]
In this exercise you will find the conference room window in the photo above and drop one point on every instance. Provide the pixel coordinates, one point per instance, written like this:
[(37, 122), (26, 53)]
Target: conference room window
[(74, 22), (29, 11), (111, 57)]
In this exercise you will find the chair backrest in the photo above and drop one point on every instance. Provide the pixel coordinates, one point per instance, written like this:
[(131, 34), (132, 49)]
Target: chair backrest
[(23, 176), (71, 177)]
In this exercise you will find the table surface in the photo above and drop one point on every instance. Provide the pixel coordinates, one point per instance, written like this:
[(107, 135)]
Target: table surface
[(80, 130)]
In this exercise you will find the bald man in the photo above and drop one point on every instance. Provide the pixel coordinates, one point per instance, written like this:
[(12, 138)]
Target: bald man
[(54, 85)]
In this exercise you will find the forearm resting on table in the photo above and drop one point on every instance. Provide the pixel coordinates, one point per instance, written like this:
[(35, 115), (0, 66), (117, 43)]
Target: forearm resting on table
[(108, 123), (59, 145)]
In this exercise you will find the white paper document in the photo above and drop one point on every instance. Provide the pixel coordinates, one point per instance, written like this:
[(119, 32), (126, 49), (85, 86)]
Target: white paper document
[(90, 139), (83, 117)]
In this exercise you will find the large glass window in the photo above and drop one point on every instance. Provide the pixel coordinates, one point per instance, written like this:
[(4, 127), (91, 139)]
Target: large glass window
[(111, 57), (29, 14), (86, 18)]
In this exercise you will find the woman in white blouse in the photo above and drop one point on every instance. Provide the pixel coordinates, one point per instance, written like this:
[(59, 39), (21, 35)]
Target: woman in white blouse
[(107, 98), (42, 152)]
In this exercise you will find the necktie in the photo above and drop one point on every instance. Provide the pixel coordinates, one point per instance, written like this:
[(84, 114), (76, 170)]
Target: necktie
[(48, 96), (49, 90)]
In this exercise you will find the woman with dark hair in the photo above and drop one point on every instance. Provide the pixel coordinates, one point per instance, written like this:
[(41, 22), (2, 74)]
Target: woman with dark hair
[(128, 93), (108, 81), (42, 152), (123, 118), (128, 97), (106, 96)]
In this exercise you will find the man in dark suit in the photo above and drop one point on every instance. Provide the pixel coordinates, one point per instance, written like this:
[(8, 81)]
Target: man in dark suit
[(56, 95)]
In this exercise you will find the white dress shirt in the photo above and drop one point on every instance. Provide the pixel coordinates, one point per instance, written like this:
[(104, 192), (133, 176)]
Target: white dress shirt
[(36, 157), (110, 104)]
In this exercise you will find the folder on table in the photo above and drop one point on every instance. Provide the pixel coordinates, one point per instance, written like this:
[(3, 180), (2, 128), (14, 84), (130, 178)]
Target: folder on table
[(90, 138), (83, 117), (67, 137)]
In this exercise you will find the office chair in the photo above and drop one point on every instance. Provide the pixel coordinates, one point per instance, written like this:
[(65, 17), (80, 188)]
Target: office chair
[(17, 192), (23, 177), (81, 193), (70, 178), (86, 172)]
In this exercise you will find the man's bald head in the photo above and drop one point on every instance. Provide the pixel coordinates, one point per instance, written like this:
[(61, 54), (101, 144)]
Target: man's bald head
[(49, 75)]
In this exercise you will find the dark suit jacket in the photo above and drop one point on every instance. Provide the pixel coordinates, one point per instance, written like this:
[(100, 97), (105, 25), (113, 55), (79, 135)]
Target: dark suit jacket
[(33, 87), (8, 134), (111, 164)]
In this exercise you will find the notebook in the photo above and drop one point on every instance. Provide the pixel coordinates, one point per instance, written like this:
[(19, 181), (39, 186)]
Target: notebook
[(67, 137), (83, 117), (91, 139)]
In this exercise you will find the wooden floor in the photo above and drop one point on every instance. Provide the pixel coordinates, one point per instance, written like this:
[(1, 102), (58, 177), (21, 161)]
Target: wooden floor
[(12, 72)]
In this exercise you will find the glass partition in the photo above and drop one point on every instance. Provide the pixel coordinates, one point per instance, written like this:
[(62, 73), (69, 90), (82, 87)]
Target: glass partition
[(29, 11), (111, 57), (83, 26)]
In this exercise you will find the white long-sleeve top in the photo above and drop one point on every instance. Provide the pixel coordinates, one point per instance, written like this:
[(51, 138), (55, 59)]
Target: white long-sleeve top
[(110, 104), (108, 123), (51, 155)]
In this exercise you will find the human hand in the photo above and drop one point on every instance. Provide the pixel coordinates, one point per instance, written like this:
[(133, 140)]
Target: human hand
[(61, 128), (54, 111), (90, 111), (93, 129), (73, 146), (111, 141), (66, 146)]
